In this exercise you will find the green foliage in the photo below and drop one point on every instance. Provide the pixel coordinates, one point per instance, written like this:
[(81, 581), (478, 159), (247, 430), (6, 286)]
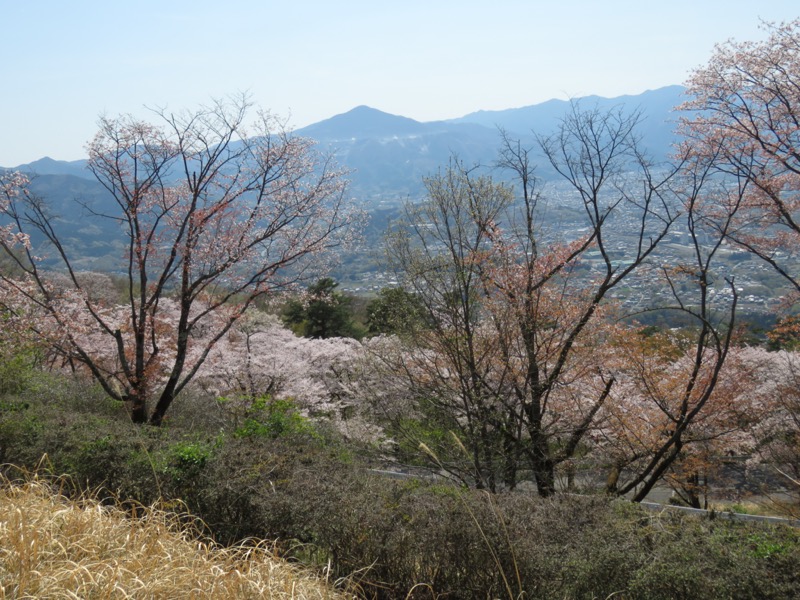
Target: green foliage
[(395, 311), (430, 430), (273, 418), (410, 433), (764, 547), (19, 428), (325, 314), (12, 405), (190, 455), (740, 509), (186, 464), (92, 453), (16, 369)]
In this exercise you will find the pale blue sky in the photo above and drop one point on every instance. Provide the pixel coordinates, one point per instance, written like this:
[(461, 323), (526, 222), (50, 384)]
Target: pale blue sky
[(66, 62)]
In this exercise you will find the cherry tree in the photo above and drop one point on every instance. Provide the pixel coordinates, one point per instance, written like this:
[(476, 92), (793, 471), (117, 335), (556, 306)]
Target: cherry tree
[(746, 115), (672, 405), (216, 212), (511, 353), (15, 332), (260, 359), (678, 407), (772, 390), (13, 184)]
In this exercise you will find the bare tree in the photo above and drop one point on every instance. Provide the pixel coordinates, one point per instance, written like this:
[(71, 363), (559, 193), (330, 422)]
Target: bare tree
[(439, 250)]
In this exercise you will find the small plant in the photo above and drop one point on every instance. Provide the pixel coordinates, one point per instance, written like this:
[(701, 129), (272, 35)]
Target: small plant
[(740, 509), (186, 462), (761, 547), (191, 455)]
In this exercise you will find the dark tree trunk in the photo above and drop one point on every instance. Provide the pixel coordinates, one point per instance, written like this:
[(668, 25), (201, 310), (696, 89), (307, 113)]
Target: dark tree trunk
[(138, 409), (163, 404), (545, 480)]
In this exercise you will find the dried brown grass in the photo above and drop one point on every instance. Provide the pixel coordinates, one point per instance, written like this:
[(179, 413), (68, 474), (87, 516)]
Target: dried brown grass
[(54, 547)]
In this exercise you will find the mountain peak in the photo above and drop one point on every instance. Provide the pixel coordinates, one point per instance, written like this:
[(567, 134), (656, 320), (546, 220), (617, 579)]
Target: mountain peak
[(50, 166), (363, 108), (362, 122)]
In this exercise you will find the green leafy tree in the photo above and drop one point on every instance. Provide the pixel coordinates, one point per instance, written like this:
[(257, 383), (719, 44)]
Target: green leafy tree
[(326, 312), (395, 311)]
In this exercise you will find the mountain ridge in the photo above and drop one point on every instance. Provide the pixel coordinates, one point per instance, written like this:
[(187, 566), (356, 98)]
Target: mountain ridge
[(387, 157), (363, 123), (661, 96)]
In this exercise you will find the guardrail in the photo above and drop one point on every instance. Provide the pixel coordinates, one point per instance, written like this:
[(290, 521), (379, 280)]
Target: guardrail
[(653, 506), (720, 514)]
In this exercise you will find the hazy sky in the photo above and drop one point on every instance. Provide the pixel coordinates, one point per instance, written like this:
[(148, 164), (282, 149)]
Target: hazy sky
[(66, 62)]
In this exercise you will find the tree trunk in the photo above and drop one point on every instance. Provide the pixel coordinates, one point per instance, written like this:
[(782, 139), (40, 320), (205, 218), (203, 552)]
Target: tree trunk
[(658, 471), (542, 464), (161, 408), (545, 480), (138, 409), (509, 465)]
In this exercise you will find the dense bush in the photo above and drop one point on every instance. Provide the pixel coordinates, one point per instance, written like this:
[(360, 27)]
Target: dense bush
[(402, 538), (472, 544)]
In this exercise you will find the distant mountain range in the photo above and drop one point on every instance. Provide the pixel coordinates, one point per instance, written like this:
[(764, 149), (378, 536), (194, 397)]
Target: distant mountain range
[(389, 154), (657, 106)]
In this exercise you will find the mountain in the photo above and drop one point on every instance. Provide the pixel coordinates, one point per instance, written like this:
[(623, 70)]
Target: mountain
[(656, 128), (93, 243), (542, 117), (49, 166), (388, 155), (363, 122)]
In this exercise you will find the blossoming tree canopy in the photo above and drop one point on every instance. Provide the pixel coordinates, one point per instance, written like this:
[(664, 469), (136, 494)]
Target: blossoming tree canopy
[(215, 211), (12, 185), (745, 107)]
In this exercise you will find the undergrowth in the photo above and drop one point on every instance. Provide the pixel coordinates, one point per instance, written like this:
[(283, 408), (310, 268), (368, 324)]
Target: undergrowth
[(413, 538)]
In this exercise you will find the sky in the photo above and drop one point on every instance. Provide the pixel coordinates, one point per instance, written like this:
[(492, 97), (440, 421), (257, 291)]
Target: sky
[(64, 64)]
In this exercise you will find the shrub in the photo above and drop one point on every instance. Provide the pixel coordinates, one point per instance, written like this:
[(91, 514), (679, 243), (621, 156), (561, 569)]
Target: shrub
[(273, 418), (15, 371)]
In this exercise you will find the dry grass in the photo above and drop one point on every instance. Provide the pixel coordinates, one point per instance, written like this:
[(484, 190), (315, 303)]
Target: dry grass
[(52, 547)]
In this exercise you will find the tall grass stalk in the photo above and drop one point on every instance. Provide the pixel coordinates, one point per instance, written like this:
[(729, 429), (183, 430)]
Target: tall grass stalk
[(485, 539)]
